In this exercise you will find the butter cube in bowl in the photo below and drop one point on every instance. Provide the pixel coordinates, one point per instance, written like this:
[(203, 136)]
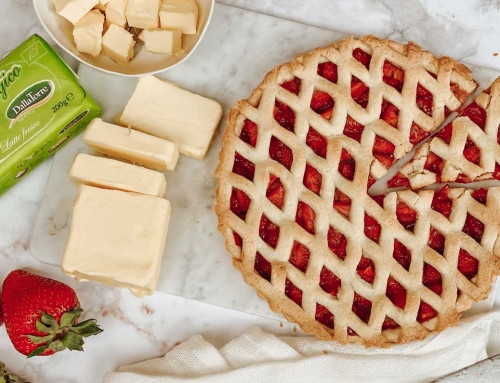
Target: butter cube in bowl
[(165, 32)]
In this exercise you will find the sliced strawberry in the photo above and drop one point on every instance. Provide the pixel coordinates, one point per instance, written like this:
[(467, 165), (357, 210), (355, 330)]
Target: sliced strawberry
[(322, 103), (342, 203), (396, 293), (243, 167), (292, 85), (328, 70), (329, 282), (293, 292), (284, 115), (316, 142), (249, 132), (347, 165), (366, 269), (363, 57), (389, 324), (269, 232), (406, 215), (462, 95), (299, 256), (445, 133), (239, 203), (473, 228), (496, 172), (399, 180), (262, 267), (425, 312), (417, 134), (383, 150), (472, 152), (276, 191), (337, 243), (312, 179), (402, 255), (476, 114), (359, 92), (362, 307), (480, 195), (281, 153), (389, 114), (463, 179), (434, 164), (425, 100), (441, 202), (305, 217), (353, 129), (372, 228), (393, 75), (324, 316), (467, 264), (431, 279), (379, 199), (237, 239), (436, 241)]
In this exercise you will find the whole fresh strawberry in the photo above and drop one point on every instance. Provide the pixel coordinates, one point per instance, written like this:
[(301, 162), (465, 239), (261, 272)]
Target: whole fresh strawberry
[(41, 315)]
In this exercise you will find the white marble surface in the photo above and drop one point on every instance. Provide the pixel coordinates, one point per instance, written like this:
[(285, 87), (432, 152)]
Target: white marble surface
[(136, 329)]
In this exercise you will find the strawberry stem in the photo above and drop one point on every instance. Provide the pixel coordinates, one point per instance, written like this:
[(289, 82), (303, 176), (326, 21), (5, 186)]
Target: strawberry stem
[(7, 377)]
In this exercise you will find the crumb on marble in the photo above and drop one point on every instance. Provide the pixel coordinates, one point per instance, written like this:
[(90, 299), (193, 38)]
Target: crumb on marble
[(148, 309), (325, 352), (281, 324), (294, 328), (495, 54)]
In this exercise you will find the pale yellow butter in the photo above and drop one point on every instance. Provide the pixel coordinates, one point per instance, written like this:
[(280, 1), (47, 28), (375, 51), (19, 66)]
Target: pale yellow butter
[(162, 41), (179, 14), (164, 110), (143, 13), (118, 44), (117, 238), (112, 174), (115, 13), (74, 10), (88, 33), (131, 145)]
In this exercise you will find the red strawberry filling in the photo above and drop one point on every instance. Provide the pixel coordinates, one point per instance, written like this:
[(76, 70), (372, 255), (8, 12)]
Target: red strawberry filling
[(281, 153), (467, 264), (417, 134), (476, 114), (249, 132), (292, 85), (275, 191), (396, 293), (436, 241), (441, 202), (372, 228), (363, 57), (353, 129), (406, 215), (284, 115), (445, 133), (359, 92), (269, 232), (237, 239), (322, 103), (389, 324), (496, 172), (379, 199), (383, 150), (328, 70), (393, 75), (399, 180), (425, 312), (262, 267), (473, 228), (342, 203), (329, 282), (472, 152), (431, 279), (293, 292), (362, 307), (480, 195), (324, 316), (316, 142), (312, 179), (347, 165), (424, 100), (366, 269), (305, 217), (337, 243), (239, 203), (389, 114), (243, 167), (299, 256), (434, 164), (402, 255)]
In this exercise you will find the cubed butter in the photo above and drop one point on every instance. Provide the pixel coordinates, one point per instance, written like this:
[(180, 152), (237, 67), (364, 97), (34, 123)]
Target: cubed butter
[(164, 110), (143, 13), (74, 10), (117, 238), (115, 13), (118, 44), (179, 14), (162, 41), (88, 33), (112, 174), (131, 145)]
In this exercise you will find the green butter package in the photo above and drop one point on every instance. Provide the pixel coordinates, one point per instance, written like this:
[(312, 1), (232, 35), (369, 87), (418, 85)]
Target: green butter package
[(42, 107)]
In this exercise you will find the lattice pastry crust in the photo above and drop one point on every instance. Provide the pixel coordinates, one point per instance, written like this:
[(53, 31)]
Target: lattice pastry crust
[(292, 202)]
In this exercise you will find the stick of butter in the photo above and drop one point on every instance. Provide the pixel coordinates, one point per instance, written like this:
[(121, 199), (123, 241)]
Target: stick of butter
[(117, 238), (42, 106), (164, 110), (162, 41), (143, 14), (128, 144), (179, 14), (88, 33), (74, 10), (111, 174)]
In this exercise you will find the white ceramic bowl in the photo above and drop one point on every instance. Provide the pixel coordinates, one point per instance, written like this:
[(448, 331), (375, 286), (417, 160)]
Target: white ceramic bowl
[(61, 30)]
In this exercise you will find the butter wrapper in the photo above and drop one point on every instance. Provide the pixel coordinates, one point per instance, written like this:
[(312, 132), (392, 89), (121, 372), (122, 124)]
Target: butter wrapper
[(42, 107)]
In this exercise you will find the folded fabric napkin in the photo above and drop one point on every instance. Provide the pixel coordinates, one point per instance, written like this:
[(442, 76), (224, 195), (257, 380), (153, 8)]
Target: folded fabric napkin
[(256, 357)]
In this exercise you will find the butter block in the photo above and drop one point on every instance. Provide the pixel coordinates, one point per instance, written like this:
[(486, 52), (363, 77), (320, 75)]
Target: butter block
[(111, 174), (115, 13), (179, 14), (162, 41), (117, 238), (164, 110), (131, 145), (74, 10), (118, 44), (88, 33), (143, 13)]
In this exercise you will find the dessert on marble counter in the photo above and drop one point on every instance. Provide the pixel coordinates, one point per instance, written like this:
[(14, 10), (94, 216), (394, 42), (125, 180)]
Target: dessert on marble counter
[(297, 161)]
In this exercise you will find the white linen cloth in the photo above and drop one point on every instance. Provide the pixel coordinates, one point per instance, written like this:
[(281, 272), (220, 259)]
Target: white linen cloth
[(258, 357)]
